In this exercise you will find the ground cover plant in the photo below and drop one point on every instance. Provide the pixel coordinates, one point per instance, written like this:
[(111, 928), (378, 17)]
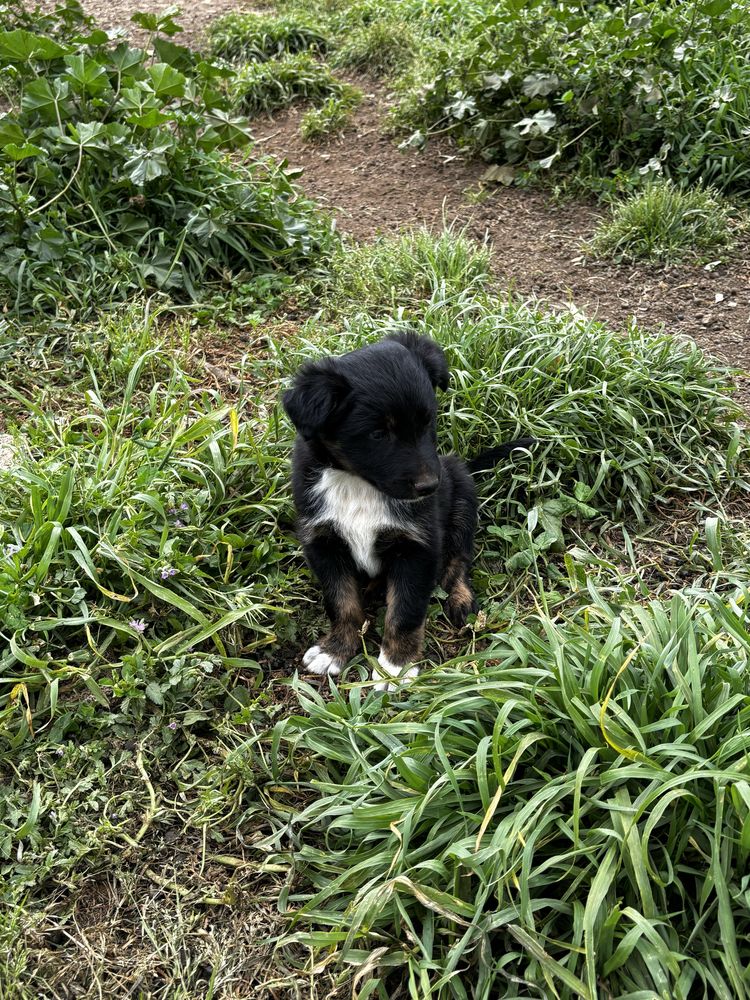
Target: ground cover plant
[(664, 222), (116, 178)]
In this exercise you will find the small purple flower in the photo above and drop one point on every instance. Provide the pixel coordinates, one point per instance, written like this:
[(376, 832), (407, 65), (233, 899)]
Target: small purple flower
[(184, 506), (59, 751), (138, 624), (12, 550), (167, 571), (178, 524), (172, 511), (172, 726)]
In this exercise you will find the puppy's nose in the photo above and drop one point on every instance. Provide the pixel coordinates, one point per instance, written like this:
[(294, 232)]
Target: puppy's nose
[(426, 485)]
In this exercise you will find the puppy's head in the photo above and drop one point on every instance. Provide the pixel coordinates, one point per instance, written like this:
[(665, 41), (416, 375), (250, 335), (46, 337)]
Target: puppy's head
[(372, 412)]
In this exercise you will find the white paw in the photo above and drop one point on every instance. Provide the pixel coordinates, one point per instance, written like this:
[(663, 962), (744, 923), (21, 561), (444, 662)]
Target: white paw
[(385, 667), (315, 661)]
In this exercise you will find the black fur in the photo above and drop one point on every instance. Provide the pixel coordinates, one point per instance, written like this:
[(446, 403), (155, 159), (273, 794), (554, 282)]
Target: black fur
[(372, 413)]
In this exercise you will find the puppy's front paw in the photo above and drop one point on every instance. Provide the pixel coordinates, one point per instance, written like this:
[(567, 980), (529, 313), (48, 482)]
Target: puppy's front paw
[(317, 661), (386, 669)]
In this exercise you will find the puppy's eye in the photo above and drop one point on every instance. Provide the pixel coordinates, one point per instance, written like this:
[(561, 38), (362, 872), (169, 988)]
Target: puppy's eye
[(378, 435)]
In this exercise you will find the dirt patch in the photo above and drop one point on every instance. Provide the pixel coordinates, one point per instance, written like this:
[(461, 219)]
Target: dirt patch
[(194, 19), (373, 188)]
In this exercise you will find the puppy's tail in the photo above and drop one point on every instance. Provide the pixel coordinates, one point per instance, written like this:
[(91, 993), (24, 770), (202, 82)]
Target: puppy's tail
[(488, 459)]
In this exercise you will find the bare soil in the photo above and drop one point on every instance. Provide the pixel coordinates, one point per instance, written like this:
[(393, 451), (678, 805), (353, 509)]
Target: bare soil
[(538, 245), (194, 19)]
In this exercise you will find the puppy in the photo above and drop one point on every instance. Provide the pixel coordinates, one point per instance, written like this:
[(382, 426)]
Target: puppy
[(375, 500)]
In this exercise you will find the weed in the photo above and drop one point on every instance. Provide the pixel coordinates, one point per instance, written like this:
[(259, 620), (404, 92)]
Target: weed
[(61, 21), (564, 808), (380, 47), (333, 116), (258, 37), (665, 223), (116, 180), (267, 86), (596, 94)]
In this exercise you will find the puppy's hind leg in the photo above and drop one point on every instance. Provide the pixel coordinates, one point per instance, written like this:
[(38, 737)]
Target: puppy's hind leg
[(460, 602), (458, 545), (330, 560)]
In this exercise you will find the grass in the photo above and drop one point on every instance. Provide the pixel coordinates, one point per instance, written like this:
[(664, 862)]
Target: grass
[(567, 808), (332, 117), (559, 806), (665, 223), (262, 87), (381, 47), (154, 604), (393, 273), (258, 37)]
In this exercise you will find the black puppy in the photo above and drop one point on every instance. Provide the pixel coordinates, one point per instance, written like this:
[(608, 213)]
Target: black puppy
[(375, 499)]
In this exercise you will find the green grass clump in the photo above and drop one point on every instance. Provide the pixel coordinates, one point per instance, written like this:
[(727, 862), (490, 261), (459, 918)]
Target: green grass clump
[(142, 506), (567, 808), (381, 47), (622, 420), (277, 83), (392, 272), (333, 116), (665, 223), (258, 37), (117, 180)]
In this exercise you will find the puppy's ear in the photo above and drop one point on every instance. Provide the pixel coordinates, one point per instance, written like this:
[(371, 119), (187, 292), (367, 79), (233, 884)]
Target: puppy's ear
[(429, 353), (317, 394)]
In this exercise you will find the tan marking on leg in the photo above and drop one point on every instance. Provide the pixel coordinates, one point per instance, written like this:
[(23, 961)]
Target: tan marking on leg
[(344, 640), (460, 601), (403, 647), (399, 646)]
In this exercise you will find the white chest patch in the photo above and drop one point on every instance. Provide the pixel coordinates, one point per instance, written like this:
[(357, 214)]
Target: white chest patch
[(357, 511)]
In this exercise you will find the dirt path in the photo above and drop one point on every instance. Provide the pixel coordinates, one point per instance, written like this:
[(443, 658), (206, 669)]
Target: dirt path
[(537, 245)]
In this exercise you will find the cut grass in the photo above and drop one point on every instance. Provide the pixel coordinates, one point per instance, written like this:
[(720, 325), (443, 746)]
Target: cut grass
[(666, 223), (332, 117)]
